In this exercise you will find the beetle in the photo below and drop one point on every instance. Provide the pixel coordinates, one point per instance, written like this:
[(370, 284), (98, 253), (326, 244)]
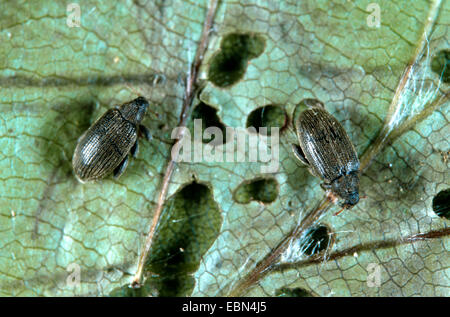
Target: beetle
[(106, 145), (326, 148)]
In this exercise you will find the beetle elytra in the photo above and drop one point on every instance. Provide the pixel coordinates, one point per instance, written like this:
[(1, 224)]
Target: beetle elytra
[(326, 148), (106, 145)]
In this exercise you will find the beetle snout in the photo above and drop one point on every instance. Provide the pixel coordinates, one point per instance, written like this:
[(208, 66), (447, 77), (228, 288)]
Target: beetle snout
[(352, 199), (141, 102)]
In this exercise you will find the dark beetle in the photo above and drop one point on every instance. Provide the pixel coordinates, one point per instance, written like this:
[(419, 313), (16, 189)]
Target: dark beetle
[(326, 148), (105, 146)]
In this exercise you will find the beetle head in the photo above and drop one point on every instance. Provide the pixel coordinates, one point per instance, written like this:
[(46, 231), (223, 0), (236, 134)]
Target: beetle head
[(134, 111), (347, 187)]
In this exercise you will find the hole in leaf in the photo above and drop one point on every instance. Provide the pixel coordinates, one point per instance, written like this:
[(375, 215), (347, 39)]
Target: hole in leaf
[(441, 65), (292, 292), (173, 285), (146, 290), (210, 119), (229, 65), (264, 190), (315, 240), (189, 225), (268, 116), (441, 204)]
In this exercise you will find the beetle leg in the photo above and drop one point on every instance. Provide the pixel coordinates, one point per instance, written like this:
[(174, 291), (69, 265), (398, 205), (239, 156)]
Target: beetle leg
[(325, 186), (134, 149), (121, 168), (299, 154), (339, 211), (145, 132)]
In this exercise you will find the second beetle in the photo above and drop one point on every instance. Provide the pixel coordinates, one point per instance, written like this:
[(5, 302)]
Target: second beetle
[(326, 148)]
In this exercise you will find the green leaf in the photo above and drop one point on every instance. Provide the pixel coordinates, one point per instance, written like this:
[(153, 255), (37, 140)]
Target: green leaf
[(222, 218)]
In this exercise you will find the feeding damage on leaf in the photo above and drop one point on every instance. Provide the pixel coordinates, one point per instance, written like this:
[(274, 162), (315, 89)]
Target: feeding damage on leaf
[(268, 117), (229, 65), (263, 190), (190, 223)]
